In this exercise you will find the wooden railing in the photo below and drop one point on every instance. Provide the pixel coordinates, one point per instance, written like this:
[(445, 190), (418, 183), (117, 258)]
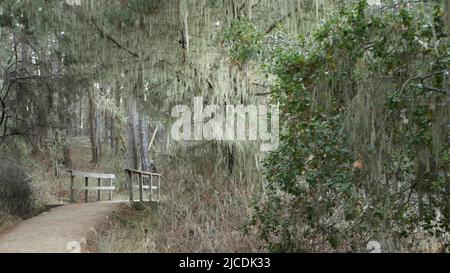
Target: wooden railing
[(86, 188), (152, 186)]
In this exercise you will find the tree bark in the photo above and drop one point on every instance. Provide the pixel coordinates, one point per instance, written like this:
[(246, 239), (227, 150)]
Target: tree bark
[(230, 158), (23, 100), (143, 140), (133, 157), (115, 141), (133, 120), (447, 16), (112, 129), (94, 127), (80, 118), (67, 152), (44, 109)]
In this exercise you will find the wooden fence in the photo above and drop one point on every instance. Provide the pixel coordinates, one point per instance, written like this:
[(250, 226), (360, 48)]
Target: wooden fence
[(152, 186), (86, 187)]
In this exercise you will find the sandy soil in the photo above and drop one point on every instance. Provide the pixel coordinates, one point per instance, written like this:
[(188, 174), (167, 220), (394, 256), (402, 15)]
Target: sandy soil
[(68, 228)]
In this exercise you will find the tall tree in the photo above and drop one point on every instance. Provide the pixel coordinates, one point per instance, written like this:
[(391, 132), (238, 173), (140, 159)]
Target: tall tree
[(94, 124)]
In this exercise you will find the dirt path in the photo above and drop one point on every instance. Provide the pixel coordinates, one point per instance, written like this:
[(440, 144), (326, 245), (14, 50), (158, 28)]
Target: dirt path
[(68, 228)]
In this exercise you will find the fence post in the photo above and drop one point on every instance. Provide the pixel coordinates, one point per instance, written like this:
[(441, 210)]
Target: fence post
[(151, 188), (99, 182), (141, 182), (130, 186), (110, 191), (86, 193), (72, 178), (159, 188)]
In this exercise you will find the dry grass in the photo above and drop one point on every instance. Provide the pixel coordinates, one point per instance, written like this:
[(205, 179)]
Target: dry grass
[(128, 232), (204, 210), (7, 222)]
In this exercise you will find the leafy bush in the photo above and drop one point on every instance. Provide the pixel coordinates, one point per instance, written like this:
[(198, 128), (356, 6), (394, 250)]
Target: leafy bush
[(16, 194), (362, 155), (243, 40)]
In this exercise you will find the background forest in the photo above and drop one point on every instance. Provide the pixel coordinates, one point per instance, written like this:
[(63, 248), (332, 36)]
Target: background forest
[(362, 86)]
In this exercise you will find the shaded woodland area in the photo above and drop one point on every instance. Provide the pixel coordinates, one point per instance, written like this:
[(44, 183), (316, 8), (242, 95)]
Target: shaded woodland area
[(362, 86)]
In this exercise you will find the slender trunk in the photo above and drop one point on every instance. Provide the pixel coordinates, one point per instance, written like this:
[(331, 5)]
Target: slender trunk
[(24, 101), (447, 16), (80, 122), (112, 131), (115, 121), (99, 117), (230, 153), (143, 139), (65, 114), (183, 10), (94, 127), (67, 153), (44, 109)]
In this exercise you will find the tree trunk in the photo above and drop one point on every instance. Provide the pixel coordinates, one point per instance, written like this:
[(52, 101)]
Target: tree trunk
[(24, 101), (133, 157), (94, 127), (133, 120), (99, 117), (115, 134), (44, 109), (230, 151), (112, 131), (143, 140), (65, 113), (67, 153), (80, 117), (447, 16)]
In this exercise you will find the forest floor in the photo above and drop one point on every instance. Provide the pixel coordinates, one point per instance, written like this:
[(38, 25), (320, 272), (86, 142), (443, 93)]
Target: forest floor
[(69, 228)]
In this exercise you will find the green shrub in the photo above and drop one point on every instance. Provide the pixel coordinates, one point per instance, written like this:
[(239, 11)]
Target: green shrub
[(243, 40), (16, 194), (364, 105)]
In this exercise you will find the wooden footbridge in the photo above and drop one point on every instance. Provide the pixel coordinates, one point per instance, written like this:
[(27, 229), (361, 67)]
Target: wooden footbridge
[(146, 182)]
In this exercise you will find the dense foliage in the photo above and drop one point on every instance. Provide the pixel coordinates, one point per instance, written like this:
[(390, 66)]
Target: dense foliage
[(244, 41), (16, 192), (364, 150)]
